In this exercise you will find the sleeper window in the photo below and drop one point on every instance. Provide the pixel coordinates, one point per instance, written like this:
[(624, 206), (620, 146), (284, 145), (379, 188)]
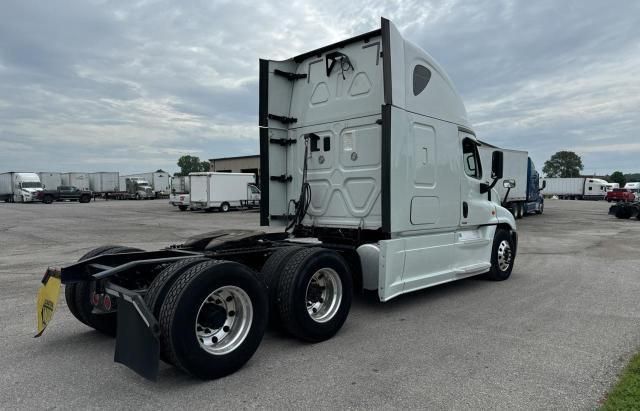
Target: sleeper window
[(421, 77)]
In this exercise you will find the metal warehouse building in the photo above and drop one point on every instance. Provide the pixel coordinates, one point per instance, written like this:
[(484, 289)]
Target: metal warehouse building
[(240, 164)]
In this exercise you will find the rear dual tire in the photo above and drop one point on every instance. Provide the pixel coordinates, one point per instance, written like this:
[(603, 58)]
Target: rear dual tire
[(310, 290), (213, 318)]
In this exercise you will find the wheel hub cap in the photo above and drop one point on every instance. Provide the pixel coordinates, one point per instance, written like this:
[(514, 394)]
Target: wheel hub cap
[(223, 320), (504, 255), (324, 294)]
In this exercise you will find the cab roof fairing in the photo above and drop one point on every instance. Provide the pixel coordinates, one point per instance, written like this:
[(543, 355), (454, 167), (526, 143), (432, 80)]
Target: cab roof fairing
[(440, 99)]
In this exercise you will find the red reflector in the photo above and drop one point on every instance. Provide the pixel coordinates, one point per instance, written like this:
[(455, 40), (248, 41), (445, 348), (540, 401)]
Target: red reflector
[(95, 298), (106, 302)]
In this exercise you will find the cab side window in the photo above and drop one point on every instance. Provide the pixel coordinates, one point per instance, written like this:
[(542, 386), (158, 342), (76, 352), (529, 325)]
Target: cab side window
[(471, 159)]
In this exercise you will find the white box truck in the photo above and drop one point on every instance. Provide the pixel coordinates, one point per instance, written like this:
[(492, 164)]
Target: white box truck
[(76, 179), (223, 191), (180, 184), (50, 180), (371, 166), (104, 182), (180, 188), (578, 188), (522, 195), (19, 187)]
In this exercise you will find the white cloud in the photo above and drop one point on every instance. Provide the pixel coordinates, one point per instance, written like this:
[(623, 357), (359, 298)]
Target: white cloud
[(120, 83)]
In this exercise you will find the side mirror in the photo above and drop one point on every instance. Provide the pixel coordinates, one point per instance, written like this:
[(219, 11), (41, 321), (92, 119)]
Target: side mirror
[(497, 161), (544, 184), (509, 183)]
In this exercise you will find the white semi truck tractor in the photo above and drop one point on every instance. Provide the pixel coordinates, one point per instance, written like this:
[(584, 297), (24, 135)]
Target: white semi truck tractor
[(371, 169), (19, 187)]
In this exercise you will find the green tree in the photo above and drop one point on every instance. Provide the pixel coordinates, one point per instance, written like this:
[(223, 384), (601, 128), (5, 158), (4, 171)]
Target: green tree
[(191, 164), (618, 177), (563, 164)]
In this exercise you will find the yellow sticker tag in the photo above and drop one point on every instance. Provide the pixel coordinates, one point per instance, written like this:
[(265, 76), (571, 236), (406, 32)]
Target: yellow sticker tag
[(47, 302)]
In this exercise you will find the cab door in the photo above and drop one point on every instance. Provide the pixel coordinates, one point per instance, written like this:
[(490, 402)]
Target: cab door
[(63, 192), (473, 239), (475, 208)]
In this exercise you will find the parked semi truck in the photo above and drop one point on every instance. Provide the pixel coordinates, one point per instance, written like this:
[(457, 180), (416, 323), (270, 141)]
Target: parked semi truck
[(580, 188), (522, 195), (223, 191), (160, 182), (19, 187), (75, 179), (136, 188), (370, 168)]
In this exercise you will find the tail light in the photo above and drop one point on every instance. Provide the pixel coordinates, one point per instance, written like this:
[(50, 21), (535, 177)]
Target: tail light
[(106, 302)]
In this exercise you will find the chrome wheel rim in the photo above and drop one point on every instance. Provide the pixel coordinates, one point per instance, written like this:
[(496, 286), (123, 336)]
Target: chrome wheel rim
[(224, 320), (324, 295), (504, 255)]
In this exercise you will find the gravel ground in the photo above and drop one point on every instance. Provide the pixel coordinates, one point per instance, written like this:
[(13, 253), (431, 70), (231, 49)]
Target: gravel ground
[(553, 336)]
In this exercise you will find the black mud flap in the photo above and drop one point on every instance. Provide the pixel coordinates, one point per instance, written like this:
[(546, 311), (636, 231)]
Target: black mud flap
[(137, 342)]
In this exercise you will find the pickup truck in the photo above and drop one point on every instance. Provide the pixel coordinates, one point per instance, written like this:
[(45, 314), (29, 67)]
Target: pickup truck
[(620, 194), (63, 193), (181, 200)]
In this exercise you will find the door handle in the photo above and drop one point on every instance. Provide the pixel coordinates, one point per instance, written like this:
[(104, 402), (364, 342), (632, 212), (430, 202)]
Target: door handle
[(465, 209)]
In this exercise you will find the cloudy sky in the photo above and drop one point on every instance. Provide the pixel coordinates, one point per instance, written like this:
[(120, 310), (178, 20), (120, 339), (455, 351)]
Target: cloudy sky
[(132, 85)]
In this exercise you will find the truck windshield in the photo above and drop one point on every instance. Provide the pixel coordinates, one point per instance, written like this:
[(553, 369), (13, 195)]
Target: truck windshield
[(31, 184)]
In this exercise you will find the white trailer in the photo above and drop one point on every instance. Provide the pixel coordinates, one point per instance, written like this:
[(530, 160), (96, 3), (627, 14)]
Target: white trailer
[(522, 195), (19, 187), (515, 168), (76, 179), (223, 191), (104, 182), (50, 180), (578, 188)]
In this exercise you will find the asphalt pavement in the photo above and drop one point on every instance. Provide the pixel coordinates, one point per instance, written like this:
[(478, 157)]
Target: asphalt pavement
[(554, 335)]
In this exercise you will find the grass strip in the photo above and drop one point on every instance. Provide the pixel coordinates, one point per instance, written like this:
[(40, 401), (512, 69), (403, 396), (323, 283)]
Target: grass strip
[(626, 393)]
